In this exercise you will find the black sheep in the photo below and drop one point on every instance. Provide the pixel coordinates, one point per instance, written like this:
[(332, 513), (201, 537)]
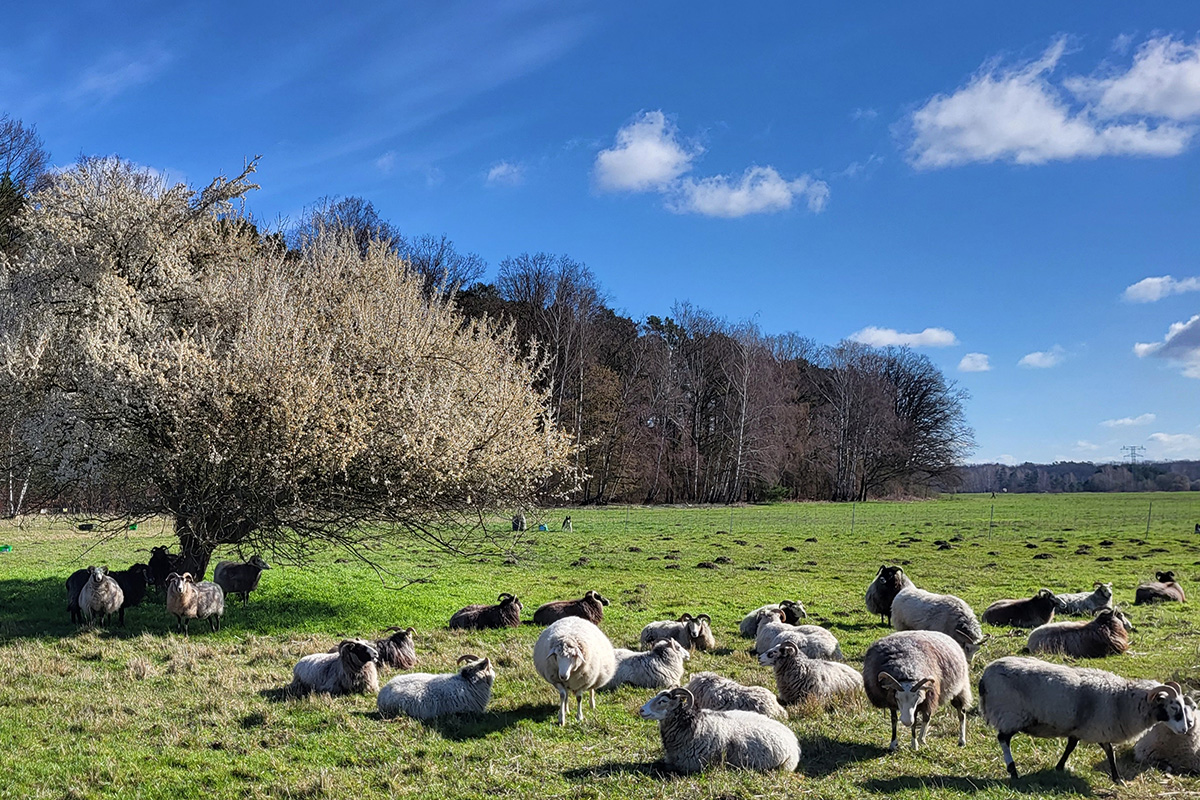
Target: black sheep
[(505, 614), (133, 583), (589, 607), (240, 577), (75, 585)]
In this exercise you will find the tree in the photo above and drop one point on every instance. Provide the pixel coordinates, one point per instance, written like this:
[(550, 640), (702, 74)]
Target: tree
[(23, 165), (260, 398)]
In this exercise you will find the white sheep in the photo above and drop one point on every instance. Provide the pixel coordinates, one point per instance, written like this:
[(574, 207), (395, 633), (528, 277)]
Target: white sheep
[(1027, 695), (695, 738), (189, 600), (424, 696), (811, 640), (574, 656), (1085, 604), (348, 670), (718, 693), (694, 633), (1163, 747), (101, 596), (793, 611), (799, 679), (915, 609), (660, 667)]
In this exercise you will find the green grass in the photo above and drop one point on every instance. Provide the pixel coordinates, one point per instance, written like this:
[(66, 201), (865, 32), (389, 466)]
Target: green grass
[(143, 712)]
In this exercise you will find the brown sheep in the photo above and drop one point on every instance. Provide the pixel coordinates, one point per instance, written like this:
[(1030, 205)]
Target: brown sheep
[(1163, 589), (1026, 613), (589, 607), (1103, 636)]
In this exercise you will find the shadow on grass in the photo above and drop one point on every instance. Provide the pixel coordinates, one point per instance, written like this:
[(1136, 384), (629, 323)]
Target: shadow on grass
[(1046, 782), (464, 727), (654, 769), (823, 756)]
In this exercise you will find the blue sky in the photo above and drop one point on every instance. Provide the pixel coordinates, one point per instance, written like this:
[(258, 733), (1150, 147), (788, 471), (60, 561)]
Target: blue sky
[(1013, 189)]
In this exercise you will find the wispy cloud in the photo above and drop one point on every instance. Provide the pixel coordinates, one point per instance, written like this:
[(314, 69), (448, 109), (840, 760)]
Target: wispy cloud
[(1129, 422), (975, 362), (1043, 359), (1085, 446), (861, 168), (885, 337), (1180, 346), (116, 73), (505, 173), (386, 162), (1149, 290), (1176, 445), (864, 114)]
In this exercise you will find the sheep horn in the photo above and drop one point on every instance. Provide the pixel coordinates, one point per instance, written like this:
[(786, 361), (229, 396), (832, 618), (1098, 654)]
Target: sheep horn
[(410, 630), (684, 696), (885, 677), (503, 595), (704, 617), (1097, 585), (467, 657), (1168, 691), (919, 684), (685, 617)]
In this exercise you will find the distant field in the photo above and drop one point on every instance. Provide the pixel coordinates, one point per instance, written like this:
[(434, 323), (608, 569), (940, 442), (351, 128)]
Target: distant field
[(142, 712)]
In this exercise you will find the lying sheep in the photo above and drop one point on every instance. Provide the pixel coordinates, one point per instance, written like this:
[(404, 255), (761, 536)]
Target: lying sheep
[(574, 656), (348, 670), (1162, 747), (424, 696), (1023, 613), (715, 692), (1103, 636), (397, 651), (799, 679), (505, 614), (912, 673), (1085, 604), (889, 581), (101, 596), (589, 607), (793, 612), (915, 609), (660, 667), (1163, 589), (696, 738), (189, 600), (240, 577), (694, 633), (811, 640), (1027, 695)]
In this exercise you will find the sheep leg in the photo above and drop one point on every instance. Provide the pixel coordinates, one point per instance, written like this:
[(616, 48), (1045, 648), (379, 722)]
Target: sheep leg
[(962, 723), (895, 742), (1062, 762), (1004, 739), (1112, 763), (564, 703), (924, 720), (579, 706), (593, 700)]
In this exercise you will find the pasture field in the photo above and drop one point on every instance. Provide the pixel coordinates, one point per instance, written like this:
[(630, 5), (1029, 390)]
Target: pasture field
[(142, 712)]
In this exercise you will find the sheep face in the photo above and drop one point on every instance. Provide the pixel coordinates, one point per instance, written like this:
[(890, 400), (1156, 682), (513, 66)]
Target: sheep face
[(356, 654), (569, 659), (593, 595), (175, 581), (793, 611), (906, 696), (506, 599), (1164, 577), (664, 646), (693, 626), (1104, 591), (97, 574), (662, 704), (1173, 708), (476, 668), (257, 561), (969, 644), (775, 655)]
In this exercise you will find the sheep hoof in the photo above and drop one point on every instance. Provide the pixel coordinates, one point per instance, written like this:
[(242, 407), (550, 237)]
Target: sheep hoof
[(894, 746), (1012, 771)]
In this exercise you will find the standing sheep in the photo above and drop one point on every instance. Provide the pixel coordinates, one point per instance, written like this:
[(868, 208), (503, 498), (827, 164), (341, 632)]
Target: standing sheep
[(1027, 695), (1103, 636), (915, 609), (240, 577), (1085, 604), (912, 673), (810, 681), (189, 600), (694, 633), (793, 612), (424, 696), (660, 667), (1163, 589), (101, 596), (888, 583), (1160, 746), (163, 563), (350, 669), (505, 614), (574, 656), (712, 691), (589, 607), (1030, 613)]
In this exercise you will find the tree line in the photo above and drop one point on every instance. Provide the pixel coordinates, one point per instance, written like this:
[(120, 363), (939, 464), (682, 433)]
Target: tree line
[(1082, 476)]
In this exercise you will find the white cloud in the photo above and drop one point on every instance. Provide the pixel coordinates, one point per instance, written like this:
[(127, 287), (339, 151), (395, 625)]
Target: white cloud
[(1164, 81), (760, 190), (1043, 359), (857, 168), (647, 155), (1128, 422), (386, 162), (1148, 290), (884, 337), (975, 362), (1016, 114), (506, 173), (863, 114), (1181, 346), (1176, 445), (1007, 459), (1086, 446)]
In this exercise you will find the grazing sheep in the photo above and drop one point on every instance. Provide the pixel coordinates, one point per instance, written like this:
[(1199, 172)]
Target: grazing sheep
[(505, 614), (133, 583), (888, 583), (793, 612), (1163, 747), (574, 656), (567, 526), (811, 640), (163, 563), (1027, 695), (240, 577), (189, 600), (806, 680), (518, 521), (75, 583), (660, 667), (1085, 604), (424, 696), (350, 669), (694, 633), (1163, 589), (101, 596), (589, 607), (1103, 636), (397, 651), (915, 609), (912, 673), (715, 692), (696, 738), (1024, 613)]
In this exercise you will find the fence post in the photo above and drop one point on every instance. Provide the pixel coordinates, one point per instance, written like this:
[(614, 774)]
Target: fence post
[(853, 507), (991, 518), (1148, 511)]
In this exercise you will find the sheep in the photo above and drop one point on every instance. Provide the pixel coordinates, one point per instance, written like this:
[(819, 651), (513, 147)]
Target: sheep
[(518, 521), (1027, 695), (240, 577), (574, 656), (889, 581), (350, 669), (163, 563), (712, 691), (660, 667), (1103, 636), (101, 596), (189, 600), (1163, 747), (793, 611), (695, 738), (397, 651), (1163, 589), (912, 673), (424, 696), (75, 582), (805, 680), (505, 614), (567, 526), (915, 609), (1085, 604), (694, 633), (811, 640), (133, 583), (1024, 613), (589, 607)]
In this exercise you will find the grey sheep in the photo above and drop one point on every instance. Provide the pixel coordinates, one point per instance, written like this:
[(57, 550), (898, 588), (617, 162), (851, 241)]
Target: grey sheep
[(240, 577), (912, 674), (1024, 613), (1103, 636), (1085, 604), (793, 612), (1162, 747), (660, 667), (506, 613), (350, 669), (811, 640), (696, 738), (694, 633), (574, 656), (718, 693), (101, 596), (799, 679), (915, 609), (889, 581), (1027, 695), (189, 600), (424, 696), (1163, 589), (589, 607)]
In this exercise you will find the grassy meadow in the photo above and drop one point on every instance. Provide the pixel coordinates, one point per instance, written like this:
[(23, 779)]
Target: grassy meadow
[(142, 712)]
